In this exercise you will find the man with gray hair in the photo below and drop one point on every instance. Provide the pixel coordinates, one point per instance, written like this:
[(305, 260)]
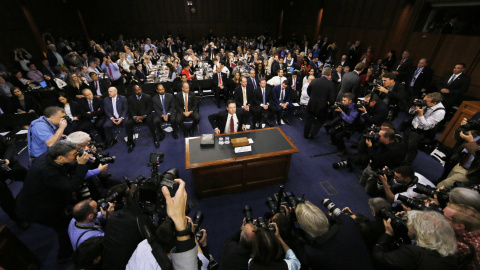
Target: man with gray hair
[(54, 58), (322, 95), (47, 190), (337, 244), (45, 131)]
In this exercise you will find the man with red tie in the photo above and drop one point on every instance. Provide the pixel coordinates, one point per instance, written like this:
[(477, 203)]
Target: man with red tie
[(229, 121), (219, 80)]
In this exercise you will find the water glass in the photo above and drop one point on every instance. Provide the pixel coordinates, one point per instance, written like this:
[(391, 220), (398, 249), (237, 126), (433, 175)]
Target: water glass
[(227, 140), (220, 140)]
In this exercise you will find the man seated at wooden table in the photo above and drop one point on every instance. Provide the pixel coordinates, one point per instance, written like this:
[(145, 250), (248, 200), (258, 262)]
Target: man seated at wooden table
[(229, 121)]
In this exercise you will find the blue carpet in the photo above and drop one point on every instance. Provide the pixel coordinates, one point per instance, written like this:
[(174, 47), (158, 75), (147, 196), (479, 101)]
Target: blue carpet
[(313, 177)]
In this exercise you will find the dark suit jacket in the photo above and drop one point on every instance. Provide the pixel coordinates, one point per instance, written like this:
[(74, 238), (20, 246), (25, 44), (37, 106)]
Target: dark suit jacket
[(122, 107), (180, 102), (97, 108), (52, 59), (258, 97), (276, 96), (335, 78), (458, 87), (74, 108), (275, 67), (298, 83), (321, 91), (169, 103), (103, 88), (424, 79), (30, 104), (215, 80), (403, 69), (219, 120), (238, 96), (376, 115), (142, 107), (350, 84), (50, 72), (250, 82), (397, 95)]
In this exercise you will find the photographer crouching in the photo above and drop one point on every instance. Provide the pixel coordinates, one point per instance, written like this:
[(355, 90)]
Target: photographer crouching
[(47, 191), (342, 124)]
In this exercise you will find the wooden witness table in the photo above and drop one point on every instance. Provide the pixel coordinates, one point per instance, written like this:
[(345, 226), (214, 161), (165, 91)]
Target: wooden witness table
[(218, 170)]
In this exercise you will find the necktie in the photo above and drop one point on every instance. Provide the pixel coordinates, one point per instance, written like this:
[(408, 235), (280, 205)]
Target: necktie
[(115, 112), (244, 97), (263, 94), (1, 111), (163, 106), (451, 79), (90, 105), (220, 78), (59, 59), (293, 85), (110, 72), (232, 129), (254, 83), (281, 95), (98, 88), (415, 76), (186, 103)]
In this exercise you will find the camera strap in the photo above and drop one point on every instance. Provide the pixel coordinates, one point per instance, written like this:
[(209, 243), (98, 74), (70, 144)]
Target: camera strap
[(89, 228), (30, 131)]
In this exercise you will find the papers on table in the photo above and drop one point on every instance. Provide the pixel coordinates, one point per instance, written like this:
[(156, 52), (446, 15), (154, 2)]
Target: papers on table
[(243, 149)]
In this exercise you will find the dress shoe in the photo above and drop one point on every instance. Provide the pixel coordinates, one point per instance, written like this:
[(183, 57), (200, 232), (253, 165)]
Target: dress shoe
[(192, 133), (270, 124), (342, 153), (286, 121), (162, 136), (130, 147), (112, 143), (157, 144), (175, 135)]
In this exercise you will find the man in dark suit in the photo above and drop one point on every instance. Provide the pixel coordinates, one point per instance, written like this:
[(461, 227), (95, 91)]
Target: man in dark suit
[(253, 80), (351, 82), (170, 47), (116, 111), (140, 111), (296, 85), (392, 92), (47, 70), (187, 108), (275, 65), (164, 107), (262, 97), (92, 113), (243, 95), (230, 120), (120, 44), (98, 87), (402, 67), (375, 113), (337, 76), (419, 80), (453, 86), (219, 81), (282, 102), (322, 94)]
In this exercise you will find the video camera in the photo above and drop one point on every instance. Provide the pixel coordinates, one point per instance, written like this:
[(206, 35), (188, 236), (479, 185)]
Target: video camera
[(102, 158)]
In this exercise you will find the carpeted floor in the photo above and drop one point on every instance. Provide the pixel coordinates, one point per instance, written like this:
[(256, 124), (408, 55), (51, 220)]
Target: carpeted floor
[(313, 177)]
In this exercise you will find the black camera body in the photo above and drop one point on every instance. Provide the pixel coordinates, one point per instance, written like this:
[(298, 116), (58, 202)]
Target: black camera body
[(247, 212), (361, 103), (442, 194), (388, 172), (417, 204), (103, 203), (371, 136), (68, 119), (4, 167), (337, 105), (419, 103), (470, 125), (102, 158)]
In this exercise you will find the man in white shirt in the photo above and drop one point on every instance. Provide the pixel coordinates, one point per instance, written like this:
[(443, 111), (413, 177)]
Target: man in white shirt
[(149, 45), (277, 80), (229, 121)]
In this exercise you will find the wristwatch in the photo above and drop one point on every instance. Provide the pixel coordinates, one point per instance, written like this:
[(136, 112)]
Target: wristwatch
[(187, 231)]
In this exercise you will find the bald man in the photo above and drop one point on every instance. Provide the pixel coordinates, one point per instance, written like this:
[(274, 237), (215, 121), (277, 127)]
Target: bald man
[(116, 111)]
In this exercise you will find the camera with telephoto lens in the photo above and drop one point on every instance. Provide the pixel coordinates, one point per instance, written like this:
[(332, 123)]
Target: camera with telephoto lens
[(442, 194), (68, 119), (361, 103), (470, 125), (374, 128), (417, 204), (197, 220), (342, 164), (271, 206), (102, 158), (4, 167), (261, 223), (247, 212), (373, 137), (419, 103), (338, 105), (332, 208), (98, 145), (387, 172), (103, 203), (293, 201)]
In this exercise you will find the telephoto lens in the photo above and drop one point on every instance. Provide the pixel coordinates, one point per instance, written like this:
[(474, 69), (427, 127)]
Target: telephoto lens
[(247, 211), (341, 164), (332, 208)]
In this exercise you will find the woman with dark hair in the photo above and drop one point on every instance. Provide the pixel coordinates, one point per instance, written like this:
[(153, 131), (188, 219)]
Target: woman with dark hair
[(72, 110), (388, 62), (153, 58), (24, 103), (305, 67), (171, 73), (269, 251), (18, 80), (260, 71), (75, 86), (236, 80)]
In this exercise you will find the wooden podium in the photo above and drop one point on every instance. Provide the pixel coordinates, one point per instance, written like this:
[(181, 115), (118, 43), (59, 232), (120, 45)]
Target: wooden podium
[(466, 110)]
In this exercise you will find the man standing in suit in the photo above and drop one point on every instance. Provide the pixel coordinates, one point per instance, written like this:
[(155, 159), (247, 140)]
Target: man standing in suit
[(322, 94), (92, 113), (261, 102), (140, 111), (243, 95), (419, 81), (116, 111), (187, 108), (219, 81), (402, 67), (351, 82), (296, 85), (164, 107), (453, 86), (252, 81), (282, 102), (229, 121), (98, 88)]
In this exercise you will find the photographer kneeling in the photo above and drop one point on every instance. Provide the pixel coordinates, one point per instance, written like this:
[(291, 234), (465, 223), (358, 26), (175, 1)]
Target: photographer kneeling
[(405, 181), (342, 125), (435, 246)]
